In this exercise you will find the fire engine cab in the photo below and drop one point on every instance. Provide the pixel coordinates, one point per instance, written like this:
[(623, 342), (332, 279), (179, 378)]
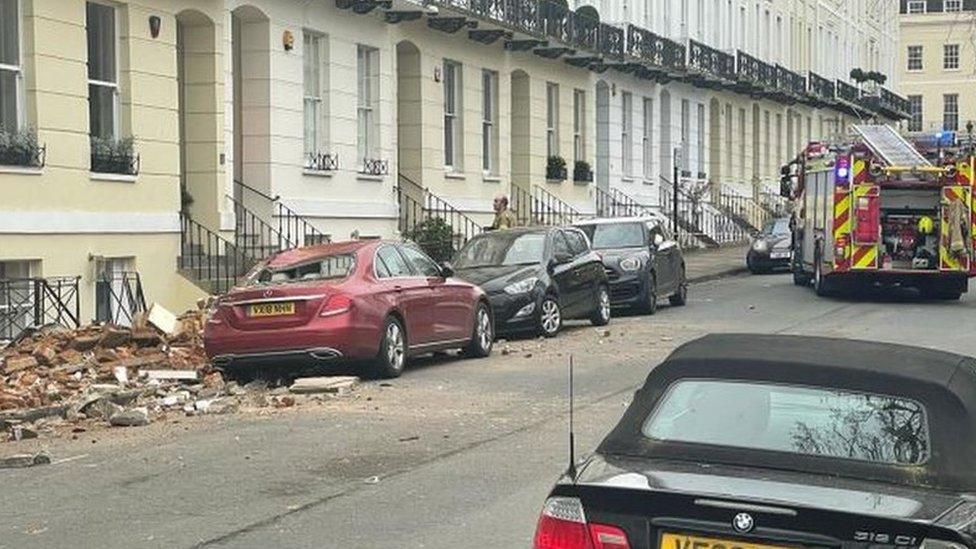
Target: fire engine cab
[(876, 211)]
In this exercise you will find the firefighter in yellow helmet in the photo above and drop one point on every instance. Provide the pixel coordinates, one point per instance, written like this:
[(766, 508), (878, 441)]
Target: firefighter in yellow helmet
[(925, 225)]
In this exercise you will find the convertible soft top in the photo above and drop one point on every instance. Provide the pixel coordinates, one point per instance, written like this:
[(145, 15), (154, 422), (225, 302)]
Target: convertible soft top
[(944, 383)]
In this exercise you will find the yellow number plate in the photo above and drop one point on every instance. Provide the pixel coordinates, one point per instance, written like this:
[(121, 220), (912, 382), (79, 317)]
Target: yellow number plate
[(272, 309), (681, 541)]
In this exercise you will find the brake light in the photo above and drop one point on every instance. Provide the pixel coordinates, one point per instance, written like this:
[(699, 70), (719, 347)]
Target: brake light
[(337, 305), (563, 526)]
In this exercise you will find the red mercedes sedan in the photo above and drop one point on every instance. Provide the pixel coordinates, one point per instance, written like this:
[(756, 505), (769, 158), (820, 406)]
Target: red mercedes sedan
[(376, 300)]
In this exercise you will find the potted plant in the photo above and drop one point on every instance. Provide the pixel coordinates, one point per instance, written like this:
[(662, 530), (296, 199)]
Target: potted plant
[(435, 237), (110, 155), (20, 148), (556, 169), (582, 173)]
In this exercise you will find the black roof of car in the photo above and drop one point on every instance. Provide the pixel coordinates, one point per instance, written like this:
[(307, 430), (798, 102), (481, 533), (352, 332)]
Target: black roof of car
[(944, 383)]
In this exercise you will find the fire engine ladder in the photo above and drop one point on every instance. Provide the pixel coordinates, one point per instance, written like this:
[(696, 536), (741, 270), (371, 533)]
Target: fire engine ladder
[(890, 146)]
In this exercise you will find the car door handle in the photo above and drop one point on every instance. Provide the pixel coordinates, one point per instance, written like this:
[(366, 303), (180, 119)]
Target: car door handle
[(398, 288)]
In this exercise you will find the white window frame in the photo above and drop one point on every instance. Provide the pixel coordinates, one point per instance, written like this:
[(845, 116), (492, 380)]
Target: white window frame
[(552, 119), (956, 6), (915, 105), (453, 116), (916, 6), (946, 113), (627, 133), (647, 143), (114, 86), (579, 125), (950, 61), (367, 102), (489, 121), (318, 102), (914, 55), (18, 71)]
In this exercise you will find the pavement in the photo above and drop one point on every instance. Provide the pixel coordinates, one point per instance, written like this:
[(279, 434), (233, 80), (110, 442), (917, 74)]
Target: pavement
[(714, 263), (456, 453)]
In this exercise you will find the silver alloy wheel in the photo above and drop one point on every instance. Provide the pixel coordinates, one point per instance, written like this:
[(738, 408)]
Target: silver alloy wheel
[(604, 304), (485, 336), (551, 317), (394, 346)]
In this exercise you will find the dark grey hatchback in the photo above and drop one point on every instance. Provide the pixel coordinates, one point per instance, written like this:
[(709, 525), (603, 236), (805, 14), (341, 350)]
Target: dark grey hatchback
[(643, 262)]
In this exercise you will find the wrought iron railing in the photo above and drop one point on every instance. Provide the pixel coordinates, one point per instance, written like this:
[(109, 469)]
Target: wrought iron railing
[(549, 209), (847, 92), (322, 162), (254, 236), (119, 297), (211, 259), (753, 71), (790, 82), (375, 166), (293, 227), (655, 50), (820, 87), (710, 61), (700, 222), (432, 222), (744, 210), (615, 203), (33, 302), (612, 40)]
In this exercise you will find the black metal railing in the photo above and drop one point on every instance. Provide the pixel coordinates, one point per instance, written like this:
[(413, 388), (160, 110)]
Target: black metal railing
[(21, 149), (522, 204), (293, 227), (432, 222), (700, 222), (615, 203), (115, 163), (820, 87), (322, 162), (655, 50), (754, 72), (254, 236), (790, 82), (710, 61), (549, 209), (374, 166), (215, 262), (612, 41), (847, 92), (744, 210), (33, 302), (119, 297)]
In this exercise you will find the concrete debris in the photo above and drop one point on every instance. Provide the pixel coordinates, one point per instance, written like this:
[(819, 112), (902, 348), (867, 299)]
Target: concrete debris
[(163, 320), (101, 408), (183, 375), (328, 384), (135, 417), (21, 461)]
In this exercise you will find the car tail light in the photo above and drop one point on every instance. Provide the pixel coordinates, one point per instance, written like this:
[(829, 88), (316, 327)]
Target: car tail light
[(337, 305), (563, 526)]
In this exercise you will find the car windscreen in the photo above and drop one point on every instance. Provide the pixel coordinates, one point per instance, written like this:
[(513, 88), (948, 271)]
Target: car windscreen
[(794, 419), (605, 236), (329, 267), (777, 227), (502, 248)]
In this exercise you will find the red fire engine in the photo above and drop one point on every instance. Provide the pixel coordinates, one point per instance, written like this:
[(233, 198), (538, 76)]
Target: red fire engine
[(876, 211)]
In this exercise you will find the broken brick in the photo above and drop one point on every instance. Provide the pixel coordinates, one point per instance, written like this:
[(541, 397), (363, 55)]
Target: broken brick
[(85, 342), (17, 363), (114, 337)]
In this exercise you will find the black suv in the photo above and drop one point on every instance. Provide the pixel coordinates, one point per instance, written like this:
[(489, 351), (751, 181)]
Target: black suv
[(643, 262), (536, 278)]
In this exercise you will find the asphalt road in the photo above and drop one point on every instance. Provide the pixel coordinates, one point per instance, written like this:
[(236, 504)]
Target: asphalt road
[(454, 454)]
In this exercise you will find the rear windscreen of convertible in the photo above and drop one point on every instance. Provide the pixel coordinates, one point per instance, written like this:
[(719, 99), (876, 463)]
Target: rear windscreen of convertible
[(799, 420)]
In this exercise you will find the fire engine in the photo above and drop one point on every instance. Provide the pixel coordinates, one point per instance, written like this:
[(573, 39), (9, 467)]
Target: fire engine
[(875, 211)]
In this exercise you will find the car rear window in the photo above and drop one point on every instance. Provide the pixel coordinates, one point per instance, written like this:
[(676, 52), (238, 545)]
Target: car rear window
[(323, 268), (800, 420)]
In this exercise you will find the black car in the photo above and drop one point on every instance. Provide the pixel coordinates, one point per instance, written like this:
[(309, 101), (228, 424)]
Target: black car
[(642, 261), (536, 277), (771, 247), (780, 441)]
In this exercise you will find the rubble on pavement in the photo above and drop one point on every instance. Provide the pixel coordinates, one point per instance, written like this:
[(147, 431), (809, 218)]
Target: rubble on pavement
[(60, 381)]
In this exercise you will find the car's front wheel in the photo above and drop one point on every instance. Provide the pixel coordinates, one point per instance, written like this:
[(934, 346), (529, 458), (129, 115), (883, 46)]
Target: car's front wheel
[(601, 315), (483, 334), (550, 317), (680, 297), (392, 356)]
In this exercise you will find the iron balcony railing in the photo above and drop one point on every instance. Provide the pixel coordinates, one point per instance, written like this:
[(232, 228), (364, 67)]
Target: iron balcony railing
[(789, 82), (821, 88), (33, 302), (292, 226), (655, 50), (710, 61), (212, 260), (847, 92), (119, 297), (322, 162), (375, 166), (754, 72)]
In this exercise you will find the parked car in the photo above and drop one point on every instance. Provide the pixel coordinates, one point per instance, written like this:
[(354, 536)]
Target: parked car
[(377, 300), (537, 277), (771, 247), (782, 441), (643, 262)]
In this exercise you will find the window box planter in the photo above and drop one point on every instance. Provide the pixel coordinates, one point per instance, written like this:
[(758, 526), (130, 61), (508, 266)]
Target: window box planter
[(556, 169), (21, 150), (582, 173), (114, 156)]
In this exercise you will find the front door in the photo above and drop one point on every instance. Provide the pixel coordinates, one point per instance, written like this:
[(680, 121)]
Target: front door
[(663, 257), (409, 292), (566, 275), (450, 310)]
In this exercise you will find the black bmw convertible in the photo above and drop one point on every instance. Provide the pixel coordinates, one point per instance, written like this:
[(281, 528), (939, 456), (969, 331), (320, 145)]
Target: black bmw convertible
[(773, 442)]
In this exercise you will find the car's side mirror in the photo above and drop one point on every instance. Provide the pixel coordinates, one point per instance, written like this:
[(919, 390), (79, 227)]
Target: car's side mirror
[(658, 240), (447, 270)]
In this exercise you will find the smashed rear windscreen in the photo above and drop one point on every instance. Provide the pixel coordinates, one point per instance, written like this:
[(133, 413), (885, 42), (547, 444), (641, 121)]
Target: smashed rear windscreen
[(800, 420), (324, 268)]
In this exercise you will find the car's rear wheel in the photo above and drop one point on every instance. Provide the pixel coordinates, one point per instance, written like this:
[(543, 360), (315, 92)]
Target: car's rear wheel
[(483, 333), (601, 315), (680, 297), (550, 317), (392, 356)]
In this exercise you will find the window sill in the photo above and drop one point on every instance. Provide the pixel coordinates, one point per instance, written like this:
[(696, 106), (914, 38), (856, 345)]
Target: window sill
[(368, 177), (450, 174), (555, 181), (114, 177), (317, 173), (20, 170), (648, 181), (491, 179), (627, 179), (957, 69)]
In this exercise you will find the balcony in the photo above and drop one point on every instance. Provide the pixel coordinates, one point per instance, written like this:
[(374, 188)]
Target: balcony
[(790, 86), (847, 92), (887, 104), (821, 90), (663, 59), (710, 67), (753, 76)]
